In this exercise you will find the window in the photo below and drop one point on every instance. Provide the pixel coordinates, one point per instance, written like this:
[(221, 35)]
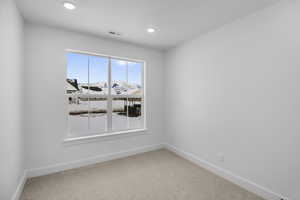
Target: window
[(104, 94)]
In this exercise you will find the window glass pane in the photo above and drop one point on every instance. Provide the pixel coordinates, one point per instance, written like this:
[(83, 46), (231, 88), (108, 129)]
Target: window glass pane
[(135, 95), (98, 75), (77, 76), (135, 76), (119, 115), (78, 116), (77, 69), (119, 88), (98, 91), (98, 115), (118, 77), (135, 119)]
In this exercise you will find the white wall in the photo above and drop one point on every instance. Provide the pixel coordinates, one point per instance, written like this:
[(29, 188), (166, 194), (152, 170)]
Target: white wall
[(236, 91), (11, 81), (46, 124)]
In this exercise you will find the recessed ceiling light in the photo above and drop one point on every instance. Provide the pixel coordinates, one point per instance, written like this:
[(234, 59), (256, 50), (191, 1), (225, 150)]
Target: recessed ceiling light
[(151, 30), (69, 5)]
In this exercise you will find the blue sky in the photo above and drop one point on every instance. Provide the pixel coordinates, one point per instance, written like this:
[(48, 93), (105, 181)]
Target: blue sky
[(77, 68)]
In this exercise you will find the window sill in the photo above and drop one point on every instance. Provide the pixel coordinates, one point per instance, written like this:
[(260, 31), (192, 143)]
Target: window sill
[(91, 138)]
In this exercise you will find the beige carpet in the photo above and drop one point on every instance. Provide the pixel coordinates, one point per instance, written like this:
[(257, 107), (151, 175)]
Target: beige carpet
[(156, 175)]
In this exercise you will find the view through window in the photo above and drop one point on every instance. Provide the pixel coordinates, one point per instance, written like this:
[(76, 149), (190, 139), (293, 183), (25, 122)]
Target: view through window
[(104, 94)]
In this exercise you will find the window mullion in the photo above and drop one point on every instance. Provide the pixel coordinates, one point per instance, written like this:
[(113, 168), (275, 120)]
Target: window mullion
[(109, 99), (89, 103), (127, 110), (143, 99)]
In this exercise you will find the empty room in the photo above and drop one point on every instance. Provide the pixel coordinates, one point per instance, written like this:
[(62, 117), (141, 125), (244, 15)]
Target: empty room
[(150, 100)]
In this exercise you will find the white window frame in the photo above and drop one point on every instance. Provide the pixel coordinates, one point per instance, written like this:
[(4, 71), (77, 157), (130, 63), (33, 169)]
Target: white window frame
[(110, 132)]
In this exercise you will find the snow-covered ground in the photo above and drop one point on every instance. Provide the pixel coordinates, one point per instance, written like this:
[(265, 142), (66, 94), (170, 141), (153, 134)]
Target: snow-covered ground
[(85, 98), (90, 124)]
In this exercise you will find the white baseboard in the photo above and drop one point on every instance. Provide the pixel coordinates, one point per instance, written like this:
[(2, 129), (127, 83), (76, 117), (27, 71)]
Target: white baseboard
[(19, 190), (240, 181), (88, 161)]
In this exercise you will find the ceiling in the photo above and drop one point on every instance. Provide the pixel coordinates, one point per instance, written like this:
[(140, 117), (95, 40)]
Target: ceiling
[(176, 20)]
